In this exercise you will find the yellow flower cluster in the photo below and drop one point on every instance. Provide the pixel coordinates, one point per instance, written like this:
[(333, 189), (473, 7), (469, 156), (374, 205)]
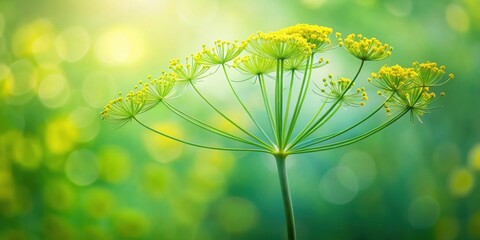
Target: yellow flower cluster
[(123, 109), (161, 88), (393, 78), (317, 36), (366, 49), (188, 72), (254, 65), (278, 45), (340, 89), (430, 74), (221, 52)]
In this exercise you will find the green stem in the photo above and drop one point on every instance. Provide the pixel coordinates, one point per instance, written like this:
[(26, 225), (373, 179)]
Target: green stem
[(301, 97), (200, 145), (279, 102), (243, 105), (229, 120), (205, 126), (287, 108), (351, 140), (313, 128), (328, 137), (287, 199), (267, 104)]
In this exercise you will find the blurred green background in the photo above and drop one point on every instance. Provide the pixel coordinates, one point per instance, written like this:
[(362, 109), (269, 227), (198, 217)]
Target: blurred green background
[(65, 174)]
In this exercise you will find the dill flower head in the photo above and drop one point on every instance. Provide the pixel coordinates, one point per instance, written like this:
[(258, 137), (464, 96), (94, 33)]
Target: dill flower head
[(160, 88), (417, 100), (189, 72), (429, 74), (123, 109), (333, 90), (254, 65), (221, 53), (317, 36), (394, 78), (366, 49), (278, 45)]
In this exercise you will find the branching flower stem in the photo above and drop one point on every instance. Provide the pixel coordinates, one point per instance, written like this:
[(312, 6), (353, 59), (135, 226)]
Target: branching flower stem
[(267, 104), (208, 127), (200, 145), (317, 124), (228, 119), (243, 105)]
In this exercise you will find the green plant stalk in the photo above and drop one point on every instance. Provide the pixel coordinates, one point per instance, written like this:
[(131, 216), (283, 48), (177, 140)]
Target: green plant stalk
[(318, 140), (351, 140), (205, 126), (228, 119), (286, 196), (287, 108), (314, 127), (200, 145), (301, 97), (267, 105), (243, 105), (279, 103)]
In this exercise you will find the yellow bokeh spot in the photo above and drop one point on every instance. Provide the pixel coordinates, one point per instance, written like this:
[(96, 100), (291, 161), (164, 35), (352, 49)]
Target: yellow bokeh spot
[(72, 44), (58, 195), (461, 182), (223, 161), (25, 77), (237, 215), (53, 91), (205, 182), (474, 157), (99, 203), (446, 228), (158, 180), (131, 224), (6, 81), (27, 153), (187, 211), (25, 37), (161, 148), (120, 45), (457, 18), (114, 164), (82, 167), (61, 135), (44, 52), (95, 89), (86, 120)]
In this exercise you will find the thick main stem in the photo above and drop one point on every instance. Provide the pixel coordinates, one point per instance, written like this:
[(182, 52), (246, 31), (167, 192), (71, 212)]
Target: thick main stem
[(287, 199)]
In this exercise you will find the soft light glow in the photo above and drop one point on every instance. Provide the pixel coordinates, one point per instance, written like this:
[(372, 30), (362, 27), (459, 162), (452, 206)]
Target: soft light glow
[(120, 45), (82, 167), (53, 91), (457, 18), (423, 212), (461, 182), (72, 44), (339, 185), (94, 87)]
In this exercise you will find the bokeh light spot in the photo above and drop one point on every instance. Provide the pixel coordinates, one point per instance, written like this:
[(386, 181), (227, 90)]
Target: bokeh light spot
[(339, 185), (115, 164), (206, 182), (72, 44), (25, 77), (363, 165), (399, 8), (461, 182), (86, 120), (44, 52), (94, 87), (423, 212), (27, 152), (457, 18), (54, 91), (120, 45), (474, 157), (6, 80), (61, 135), (58, 195), (131, 223), (312, 4), (24, 38), (82, 167), (99, 203), (161, 148), (196, 13), (447, 228), (158, 181), (237, 215)]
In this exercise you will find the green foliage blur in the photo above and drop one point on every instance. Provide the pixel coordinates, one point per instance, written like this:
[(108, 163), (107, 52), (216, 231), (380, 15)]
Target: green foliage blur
[(65, 174)]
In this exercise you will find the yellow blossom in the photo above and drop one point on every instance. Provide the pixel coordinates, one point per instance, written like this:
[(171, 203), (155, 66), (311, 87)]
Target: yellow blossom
[(366, 49)]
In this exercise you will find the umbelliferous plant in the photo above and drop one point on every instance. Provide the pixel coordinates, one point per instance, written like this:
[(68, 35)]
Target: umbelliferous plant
[(285, 66)]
